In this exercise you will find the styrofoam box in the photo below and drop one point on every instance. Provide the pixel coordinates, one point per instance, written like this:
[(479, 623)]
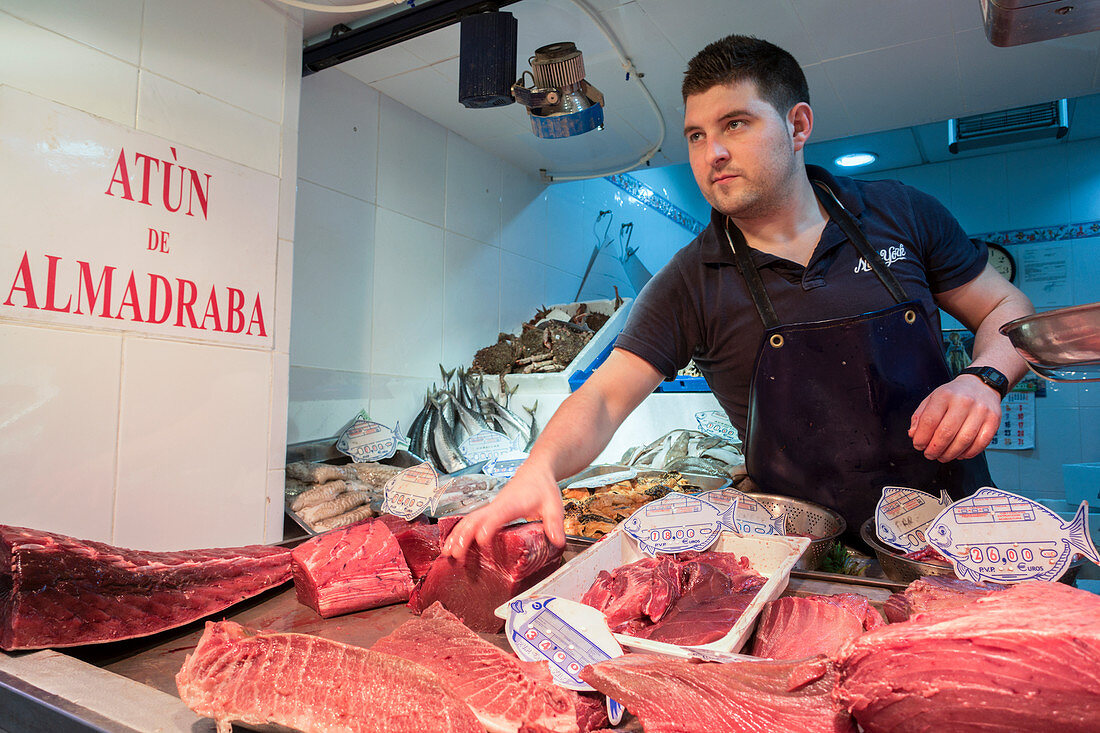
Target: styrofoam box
[(772, 556), (559, 381)]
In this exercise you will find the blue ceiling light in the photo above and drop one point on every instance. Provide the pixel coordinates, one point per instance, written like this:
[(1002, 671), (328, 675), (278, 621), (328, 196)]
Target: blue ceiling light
[(855, 160)]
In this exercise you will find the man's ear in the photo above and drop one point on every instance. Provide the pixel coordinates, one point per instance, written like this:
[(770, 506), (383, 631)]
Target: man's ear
[(800, 123)]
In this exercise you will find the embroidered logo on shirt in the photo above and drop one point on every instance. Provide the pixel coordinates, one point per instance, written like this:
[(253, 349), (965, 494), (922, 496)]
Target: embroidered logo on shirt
[(890, 255)]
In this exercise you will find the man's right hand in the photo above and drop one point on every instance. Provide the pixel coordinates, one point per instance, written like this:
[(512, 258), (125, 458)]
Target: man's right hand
[(531, 494)]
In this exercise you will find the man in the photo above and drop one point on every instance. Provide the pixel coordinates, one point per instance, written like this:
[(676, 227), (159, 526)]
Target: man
[(810, 306)]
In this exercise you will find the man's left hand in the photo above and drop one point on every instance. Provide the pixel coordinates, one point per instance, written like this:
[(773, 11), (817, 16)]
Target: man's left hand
[(957, 420)]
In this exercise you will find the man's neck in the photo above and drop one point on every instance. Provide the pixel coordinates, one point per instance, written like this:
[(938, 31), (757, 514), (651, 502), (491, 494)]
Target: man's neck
[(791, 231)]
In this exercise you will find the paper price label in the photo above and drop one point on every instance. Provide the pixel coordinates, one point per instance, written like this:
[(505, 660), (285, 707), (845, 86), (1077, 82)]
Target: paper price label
[(365, 441), (604, 480), (750, 517), (567, 634), (1005, 538), (902, 516), (676, 523), (717, 424), (412, 491), (504, 466), (485, 445)]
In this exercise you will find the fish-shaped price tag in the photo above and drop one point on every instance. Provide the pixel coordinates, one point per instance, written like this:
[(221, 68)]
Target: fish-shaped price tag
[(604, 479), (365, 440), (567, 634), (1005, 538), (717, 424), (902, 516), (505, 465), (676, 523), (412, 491), (750, 516), (485, 445)]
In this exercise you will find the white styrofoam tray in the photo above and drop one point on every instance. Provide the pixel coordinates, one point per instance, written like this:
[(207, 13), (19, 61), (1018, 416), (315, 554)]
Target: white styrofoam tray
[(772, 556), (559, 381)]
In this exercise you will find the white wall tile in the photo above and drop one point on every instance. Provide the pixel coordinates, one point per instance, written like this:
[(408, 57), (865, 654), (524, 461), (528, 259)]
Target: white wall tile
[(523, 214), (1090, 434), (408, 296), (471, 307), (979, 193), (292, 76), (274, 506), (933, 179), (395, 401), (58, 425), (280, 399), (561, 287), (412, 155), (111, 26), (1089, 396), (1084, 177), (334, 261), (192, 467), (572, 230), (284, 287), (1057, 441), (1038, 190), (200, 121), (1085, 270), (235, 52), (473, 195), (322, 401), (339, 137), (1004, 469), (54, 67), (522, 290), (288, 182)]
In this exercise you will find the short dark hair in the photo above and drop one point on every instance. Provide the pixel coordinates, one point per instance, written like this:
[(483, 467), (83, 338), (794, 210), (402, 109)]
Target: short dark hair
[(777, 75)]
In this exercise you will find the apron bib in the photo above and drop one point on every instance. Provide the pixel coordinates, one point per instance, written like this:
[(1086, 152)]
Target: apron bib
[(830, 401)]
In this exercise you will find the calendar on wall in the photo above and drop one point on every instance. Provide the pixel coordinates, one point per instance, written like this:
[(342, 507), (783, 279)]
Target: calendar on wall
[(1017, 429)]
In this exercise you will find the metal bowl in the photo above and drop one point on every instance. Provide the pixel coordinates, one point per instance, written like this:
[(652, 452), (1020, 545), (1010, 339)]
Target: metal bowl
[(807, 518), (904, 570), (1062, 345)]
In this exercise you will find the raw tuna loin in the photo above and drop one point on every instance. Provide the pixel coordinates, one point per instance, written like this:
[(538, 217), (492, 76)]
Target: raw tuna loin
[(351, 569), (1024, 659), (935, 593), (419, 541), (795, 628), (313, 684), (58, 591)]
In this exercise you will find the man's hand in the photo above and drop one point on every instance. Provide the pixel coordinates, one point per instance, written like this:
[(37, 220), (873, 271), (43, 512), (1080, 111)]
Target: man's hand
[(957, 420), (530, 494)]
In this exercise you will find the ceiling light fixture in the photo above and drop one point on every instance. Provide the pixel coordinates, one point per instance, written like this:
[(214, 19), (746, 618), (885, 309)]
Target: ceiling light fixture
[(560, 102), (855, 160)]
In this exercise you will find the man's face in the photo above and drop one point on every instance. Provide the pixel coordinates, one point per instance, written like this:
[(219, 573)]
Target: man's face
[(740, 149)]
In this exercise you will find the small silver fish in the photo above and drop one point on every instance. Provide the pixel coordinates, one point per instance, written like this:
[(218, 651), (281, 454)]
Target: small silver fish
[(676, 523), (1002, 537)]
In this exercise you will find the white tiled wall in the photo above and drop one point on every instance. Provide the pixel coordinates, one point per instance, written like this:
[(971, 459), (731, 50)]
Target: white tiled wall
[(155, 443)]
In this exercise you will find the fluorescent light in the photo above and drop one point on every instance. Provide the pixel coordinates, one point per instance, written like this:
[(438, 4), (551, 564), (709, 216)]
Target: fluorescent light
[(855, 160)]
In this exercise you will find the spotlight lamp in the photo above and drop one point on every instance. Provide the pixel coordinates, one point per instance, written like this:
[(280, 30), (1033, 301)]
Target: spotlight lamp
[(559, 102)]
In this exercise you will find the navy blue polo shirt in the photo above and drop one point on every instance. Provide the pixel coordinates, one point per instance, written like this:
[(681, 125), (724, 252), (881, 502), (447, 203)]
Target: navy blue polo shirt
[(698, 306)]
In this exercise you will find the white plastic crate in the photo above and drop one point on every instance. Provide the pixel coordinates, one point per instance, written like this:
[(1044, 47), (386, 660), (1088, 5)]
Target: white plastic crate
[(773, 557)]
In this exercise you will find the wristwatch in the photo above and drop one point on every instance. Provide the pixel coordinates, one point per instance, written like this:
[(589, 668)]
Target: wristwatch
[(990, 376)]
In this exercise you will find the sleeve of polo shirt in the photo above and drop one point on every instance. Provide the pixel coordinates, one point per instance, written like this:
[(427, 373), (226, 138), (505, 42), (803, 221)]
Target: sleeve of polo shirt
[(662, 325), (950, 258)]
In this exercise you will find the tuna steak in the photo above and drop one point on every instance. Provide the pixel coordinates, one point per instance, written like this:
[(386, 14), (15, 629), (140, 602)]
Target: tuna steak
[(642, 590), (351, 569), (679, 696), (419, 542), (935, 593), (504, 692), (58, 591), (313, 684), (1024, 659), (519, 557), (795, 628)]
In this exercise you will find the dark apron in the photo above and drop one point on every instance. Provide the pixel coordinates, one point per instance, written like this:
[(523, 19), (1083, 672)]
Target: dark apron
[(830, 402)]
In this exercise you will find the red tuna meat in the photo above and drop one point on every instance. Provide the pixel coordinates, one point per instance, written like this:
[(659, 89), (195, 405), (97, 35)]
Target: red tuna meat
[(351, 569), (710, 605), (519, 557), (419, 541), (935, 593), (679, 696), (59, 591), (795, 628), (1024, 659), (641, 590), (312, 684), (504, 692)]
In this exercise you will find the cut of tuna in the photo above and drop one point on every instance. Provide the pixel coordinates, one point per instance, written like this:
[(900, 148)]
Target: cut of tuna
[(58, 591), (679, 696), (351, 569), (419, 541), (504, 692), (1024, 659), (519, 557), (794, 628), (642, 590), (935, 593), (313, 684)]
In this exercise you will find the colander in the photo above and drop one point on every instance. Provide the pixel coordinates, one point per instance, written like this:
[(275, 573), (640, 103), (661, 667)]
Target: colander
[(807, 518)]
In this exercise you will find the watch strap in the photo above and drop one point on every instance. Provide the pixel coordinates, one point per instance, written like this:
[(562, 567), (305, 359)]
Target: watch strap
[(990, 376)]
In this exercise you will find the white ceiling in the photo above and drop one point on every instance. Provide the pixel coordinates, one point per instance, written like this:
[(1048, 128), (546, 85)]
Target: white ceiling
[(886, 69)]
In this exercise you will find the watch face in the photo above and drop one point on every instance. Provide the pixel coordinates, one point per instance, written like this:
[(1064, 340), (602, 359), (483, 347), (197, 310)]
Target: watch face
[(1002, 262)]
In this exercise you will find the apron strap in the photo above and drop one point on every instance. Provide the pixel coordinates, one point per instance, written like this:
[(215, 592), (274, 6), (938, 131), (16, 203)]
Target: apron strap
[(847, 224)]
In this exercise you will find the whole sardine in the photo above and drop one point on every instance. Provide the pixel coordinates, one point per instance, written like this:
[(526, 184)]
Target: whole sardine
[(450, 458), (534, 427)]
